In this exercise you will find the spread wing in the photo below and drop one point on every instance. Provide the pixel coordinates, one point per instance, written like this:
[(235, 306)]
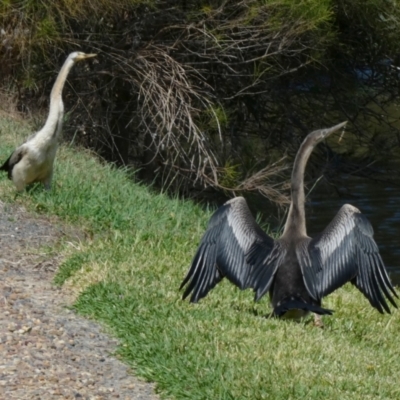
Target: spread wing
[(14, 159), (233, 246), (346, 251)]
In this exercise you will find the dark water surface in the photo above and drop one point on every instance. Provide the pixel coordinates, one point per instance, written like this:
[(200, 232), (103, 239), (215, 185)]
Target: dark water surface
[(379, 203)]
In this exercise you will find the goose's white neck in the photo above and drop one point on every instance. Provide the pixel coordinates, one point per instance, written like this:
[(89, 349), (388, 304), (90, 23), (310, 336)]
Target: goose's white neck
[(52, 126)]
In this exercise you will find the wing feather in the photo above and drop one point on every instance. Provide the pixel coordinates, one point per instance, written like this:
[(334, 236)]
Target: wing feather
[(346, 251), (14, 159), (235, 247)]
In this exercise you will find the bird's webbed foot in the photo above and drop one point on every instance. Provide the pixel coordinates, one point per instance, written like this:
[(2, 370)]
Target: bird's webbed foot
[(318, 321)]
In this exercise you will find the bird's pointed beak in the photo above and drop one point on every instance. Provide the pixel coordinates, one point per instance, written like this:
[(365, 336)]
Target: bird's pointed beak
[(84, 56), (328, 131)]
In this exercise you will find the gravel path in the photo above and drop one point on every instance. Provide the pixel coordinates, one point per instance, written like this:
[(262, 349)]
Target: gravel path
[(46, 350)]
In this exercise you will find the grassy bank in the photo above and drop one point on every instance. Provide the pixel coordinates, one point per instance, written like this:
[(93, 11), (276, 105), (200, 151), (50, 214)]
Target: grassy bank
[(127, 273)]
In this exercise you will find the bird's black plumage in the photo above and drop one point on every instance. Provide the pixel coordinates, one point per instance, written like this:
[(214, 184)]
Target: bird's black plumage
[(297, 271), (224, 253), (13, 160)]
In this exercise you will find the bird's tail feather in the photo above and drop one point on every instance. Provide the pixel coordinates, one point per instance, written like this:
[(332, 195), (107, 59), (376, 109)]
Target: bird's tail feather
[(297, 304)]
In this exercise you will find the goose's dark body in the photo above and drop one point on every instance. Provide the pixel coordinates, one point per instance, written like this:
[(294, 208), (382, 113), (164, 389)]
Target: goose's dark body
[(288, 290), (296, 270)]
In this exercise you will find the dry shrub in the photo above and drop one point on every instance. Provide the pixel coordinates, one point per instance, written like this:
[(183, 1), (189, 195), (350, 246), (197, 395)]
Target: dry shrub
[(196, 95), (9, 104)]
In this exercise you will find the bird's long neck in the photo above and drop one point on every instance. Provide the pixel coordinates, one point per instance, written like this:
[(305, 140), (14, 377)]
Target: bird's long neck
[(296, 219), (56, 104)]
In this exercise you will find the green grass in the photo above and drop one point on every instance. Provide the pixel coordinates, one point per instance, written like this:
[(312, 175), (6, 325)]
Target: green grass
[(127, 273)]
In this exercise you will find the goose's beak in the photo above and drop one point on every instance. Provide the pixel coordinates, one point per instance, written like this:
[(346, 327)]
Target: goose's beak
[(84, 56), (90, 55), (328, 131)]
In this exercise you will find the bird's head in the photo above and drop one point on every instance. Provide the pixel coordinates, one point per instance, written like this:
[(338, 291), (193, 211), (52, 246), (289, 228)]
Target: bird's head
[(78, 56), (321, 134)]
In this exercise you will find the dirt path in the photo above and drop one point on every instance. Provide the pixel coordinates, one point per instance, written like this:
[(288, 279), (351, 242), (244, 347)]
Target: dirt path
[(47, 351)]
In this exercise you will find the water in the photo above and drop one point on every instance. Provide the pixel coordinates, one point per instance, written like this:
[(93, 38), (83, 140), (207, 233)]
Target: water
[(380, 204)]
